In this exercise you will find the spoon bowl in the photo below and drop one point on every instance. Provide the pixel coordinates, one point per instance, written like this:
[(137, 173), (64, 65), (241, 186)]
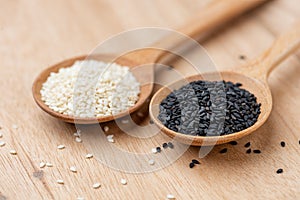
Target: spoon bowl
[(257, 87), (142, 75)]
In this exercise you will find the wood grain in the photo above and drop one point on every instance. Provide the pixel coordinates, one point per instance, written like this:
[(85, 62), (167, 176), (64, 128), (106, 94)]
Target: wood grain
[(35, 34)]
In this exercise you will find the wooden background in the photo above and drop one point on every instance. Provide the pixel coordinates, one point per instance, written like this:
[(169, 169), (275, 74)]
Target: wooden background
[(35, 34)]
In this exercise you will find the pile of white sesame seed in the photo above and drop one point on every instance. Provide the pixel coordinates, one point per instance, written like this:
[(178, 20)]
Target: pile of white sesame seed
[(91, 88)]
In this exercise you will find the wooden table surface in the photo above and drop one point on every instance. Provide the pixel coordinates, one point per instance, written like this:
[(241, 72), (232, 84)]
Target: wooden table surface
[(35, 34)]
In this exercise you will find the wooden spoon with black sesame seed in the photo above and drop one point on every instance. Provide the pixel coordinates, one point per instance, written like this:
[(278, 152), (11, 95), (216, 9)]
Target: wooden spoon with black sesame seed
[(253, 77), (215, 14)]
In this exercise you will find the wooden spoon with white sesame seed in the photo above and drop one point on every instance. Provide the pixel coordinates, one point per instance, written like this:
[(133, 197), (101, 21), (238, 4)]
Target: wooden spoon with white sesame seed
[(253, 76), (215, 14)]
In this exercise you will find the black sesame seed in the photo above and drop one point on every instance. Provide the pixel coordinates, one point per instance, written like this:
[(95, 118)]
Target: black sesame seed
[(170, 145), (247, 144), (282, 144), (165, 145), (238, 84), (158, 149), (223, 150), (151, 122), (248, 151), (195, 161), (242, 57), (256, 151), (192, 165), (233, 142), (279, 171)]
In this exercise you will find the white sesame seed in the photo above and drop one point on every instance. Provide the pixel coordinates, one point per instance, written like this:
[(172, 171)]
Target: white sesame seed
[(89, 155), (77, 133), (78, 139), (49, 164), (154, 150), (61, 146), (125, 121), (140, 114), (42, 164), (80, 198), (15, 126), (60, 181), (2, 143), (73, 169), (106, 128), (123, 181), (110, 138), (13, 152), (170, 196), (151, 162), (96, 185)]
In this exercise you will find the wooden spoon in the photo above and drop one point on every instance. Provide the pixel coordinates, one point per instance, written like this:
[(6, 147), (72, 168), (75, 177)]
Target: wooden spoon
[(254, 79), (214, 15)]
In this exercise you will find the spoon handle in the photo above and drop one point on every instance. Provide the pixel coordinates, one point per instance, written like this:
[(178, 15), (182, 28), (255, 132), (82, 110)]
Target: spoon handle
[(214, 15), (285, 45)]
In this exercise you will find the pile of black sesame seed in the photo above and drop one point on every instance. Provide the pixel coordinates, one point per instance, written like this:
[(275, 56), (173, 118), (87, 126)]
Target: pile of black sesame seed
[(206, 108)]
